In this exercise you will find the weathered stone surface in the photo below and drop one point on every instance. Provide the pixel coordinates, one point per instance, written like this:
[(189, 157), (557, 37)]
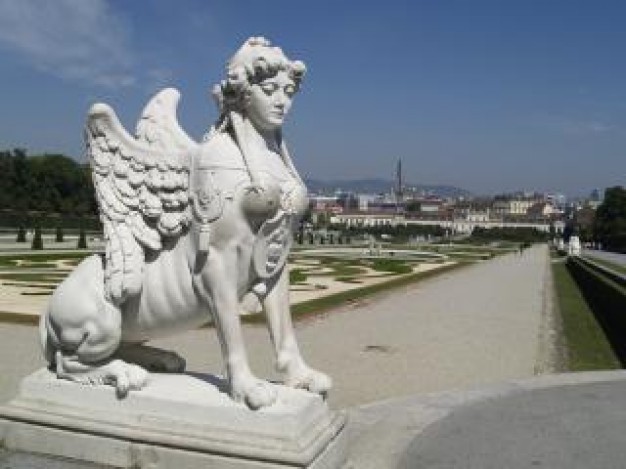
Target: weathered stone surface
[(190, 229), (175, 421)]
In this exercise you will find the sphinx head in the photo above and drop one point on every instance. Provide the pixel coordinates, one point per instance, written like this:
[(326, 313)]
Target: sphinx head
[(260, 84)]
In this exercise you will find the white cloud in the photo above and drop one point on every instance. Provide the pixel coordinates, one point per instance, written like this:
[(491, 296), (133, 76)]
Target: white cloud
[(577, 127), (586, 127), (81, 40)]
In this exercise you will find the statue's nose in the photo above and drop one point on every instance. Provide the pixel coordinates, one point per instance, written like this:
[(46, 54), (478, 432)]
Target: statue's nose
[(281, 98), (281, 101)]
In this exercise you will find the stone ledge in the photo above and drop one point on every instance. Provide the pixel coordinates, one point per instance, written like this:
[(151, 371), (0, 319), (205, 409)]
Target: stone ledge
[(180, 416)]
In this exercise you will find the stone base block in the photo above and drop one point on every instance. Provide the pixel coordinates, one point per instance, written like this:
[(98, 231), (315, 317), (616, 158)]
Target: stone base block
[(179, 421)]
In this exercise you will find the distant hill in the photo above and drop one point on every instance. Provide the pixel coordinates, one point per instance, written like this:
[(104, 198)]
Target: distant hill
[(380, 185)]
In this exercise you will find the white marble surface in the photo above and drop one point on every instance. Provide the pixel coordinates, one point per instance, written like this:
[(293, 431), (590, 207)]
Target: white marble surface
[(188, 413), (190, 229)]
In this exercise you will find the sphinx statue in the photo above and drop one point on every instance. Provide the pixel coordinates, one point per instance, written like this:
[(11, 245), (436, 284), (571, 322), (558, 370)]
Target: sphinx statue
[(190, 229)]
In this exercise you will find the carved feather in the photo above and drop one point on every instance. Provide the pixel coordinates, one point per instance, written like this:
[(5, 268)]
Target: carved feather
[(153, 179), (135, 178), (169, 223), (151, 204), (114, 265), (158, 126), (133, 261), (120, 167), (146, 235), (128, 194)]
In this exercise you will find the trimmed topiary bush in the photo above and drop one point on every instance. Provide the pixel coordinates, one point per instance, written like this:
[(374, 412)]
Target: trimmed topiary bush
[(82, 239), (37, 239), (21, 234)]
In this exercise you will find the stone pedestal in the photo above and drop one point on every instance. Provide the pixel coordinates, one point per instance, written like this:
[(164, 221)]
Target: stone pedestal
[(179, 421)]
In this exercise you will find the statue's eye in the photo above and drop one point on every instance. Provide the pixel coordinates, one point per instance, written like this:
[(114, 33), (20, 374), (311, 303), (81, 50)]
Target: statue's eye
[(269, 88), (290, 90)]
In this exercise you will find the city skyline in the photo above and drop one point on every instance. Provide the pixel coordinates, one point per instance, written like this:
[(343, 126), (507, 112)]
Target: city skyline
[(487, 96)]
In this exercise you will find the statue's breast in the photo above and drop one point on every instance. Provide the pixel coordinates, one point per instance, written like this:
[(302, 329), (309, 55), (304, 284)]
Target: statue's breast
[(294, 199), (221, 158)]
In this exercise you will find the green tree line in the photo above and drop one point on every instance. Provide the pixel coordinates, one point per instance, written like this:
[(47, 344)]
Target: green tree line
[(49, 183), (397, 232), (46, 191), (610, 221), (514, 234)]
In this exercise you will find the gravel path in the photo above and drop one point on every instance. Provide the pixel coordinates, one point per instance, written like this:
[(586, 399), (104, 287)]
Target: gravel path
[(472, 326), (476, 325)]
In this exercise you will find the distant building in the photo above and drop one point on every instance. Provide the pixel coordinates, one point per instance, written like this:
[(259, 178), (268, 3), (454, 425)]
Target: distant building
[(322, 202), (515, 205), (364, 201), (430, 205), (542, 210)]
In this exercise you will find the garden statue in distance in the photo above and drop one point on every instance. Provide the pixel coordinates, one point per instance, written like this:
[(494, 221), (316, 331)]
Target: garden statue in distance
[(574, 246), (190, 229)]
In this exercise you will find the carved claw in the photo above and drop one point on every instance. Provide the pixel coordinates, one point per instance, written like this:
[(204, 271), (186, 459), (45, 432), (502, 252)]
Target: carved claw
[(126, 377), (254, 392), (311, 380), (300, 376)]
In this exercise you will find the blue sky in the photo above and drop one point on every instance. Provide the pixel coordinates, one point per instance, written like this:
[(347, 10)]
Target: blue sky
[(491, 96)]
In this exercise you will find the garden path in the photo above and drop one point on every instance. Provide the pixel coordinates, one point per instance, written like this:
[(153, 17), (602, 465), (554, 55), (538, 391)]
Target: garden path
[(464, 328)]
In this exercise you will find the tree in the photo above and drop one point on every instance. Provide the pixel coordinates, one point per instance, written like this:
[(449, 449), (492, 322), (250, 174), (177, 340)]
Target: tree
[(59, 234), (610, 223), (82, 238), (413, 206), (45, 183), (37, 239), (583, 222), (21, 234)]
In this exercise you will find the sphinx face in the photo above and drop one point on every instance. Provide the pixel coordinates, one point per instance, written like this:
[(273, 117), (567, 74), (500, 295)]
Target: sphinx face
[(270, 101)]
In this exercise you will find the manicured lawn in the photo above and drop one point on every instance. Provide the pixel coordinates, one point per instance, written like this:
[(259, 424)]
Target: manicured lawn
[(611, 265), (320, 305), (11, 259), (52, 277), (587, 345)]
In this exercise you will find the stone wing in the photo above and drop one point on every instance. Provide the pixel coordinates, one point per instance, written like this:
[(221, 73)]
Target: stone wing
[(158, 126), (142, 192)]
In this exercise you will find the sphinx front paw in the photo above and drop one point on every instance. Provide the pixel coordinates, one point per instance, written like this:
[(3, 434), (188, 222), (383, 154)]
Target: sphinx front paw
[(311, 380), (297, 374), (253, 392)]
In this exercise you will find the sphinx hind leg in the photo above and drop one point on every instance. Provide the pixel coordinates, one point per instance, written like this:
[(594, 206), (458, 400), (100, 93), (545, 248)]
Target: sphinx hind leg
[(151, 358), (81, 331), (123, 376), (85, 354)]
